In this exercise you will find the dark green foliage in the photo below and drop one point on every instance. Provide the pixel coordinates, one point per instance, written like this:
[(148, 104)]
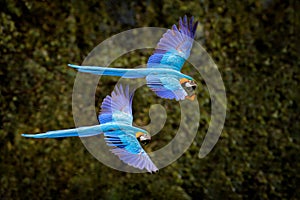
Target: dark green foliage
[(254, 43)]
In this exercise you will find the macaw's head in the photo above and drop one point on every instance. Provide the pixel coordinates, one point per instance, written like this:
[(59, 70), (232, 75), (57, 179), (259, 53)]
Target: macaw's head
[(189, 86), (143, 138)]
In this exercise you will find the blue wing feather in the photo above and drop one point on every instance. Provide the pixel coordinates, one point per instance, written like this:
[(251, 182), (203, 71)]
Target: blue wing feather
[(166, 87), (117, 107), (129, 150), (174, 47), (140, 161)]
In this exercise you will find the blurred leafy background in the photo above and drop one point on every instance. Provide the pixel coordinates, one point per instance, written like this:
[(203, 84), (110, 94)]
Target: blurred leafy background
[(255, 44)]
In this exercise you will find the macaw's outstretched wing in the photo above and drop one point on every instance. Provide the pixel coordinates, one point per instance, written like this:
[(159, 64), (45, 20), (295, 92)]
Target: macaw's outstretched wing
[(75, 132), (166, 87), (129, 150), (117, 107), (174, 47)]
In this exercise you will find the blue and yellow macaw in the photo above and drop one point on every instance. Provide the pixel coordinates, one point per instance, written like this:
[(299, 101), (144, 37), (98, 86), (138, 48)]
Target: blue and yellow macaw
[(116, 124), (162, 74)]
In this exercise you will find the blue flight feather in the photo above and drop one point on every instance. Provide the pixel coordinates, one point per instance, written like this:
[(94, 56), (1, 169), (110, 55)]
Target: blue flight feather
[(174, 47), (166, 87), (117, 107)]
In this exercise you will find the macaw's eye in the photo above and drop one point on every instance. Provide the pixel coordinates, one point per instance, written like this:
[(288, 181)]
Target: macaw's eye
[(144, 139), (189, 86), (190, 89), (145, 142), (194, 87)]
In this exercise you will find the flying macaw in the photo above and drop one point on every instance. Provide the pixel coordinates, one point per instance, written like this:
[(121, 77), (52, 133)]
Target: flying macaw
[(162, 74), (116, 124)]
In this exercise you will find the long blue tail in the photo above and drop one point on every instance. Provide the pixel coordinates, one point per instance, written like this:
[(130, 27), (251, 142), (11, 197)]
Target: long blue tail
[(76, 132), (125, 73)]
